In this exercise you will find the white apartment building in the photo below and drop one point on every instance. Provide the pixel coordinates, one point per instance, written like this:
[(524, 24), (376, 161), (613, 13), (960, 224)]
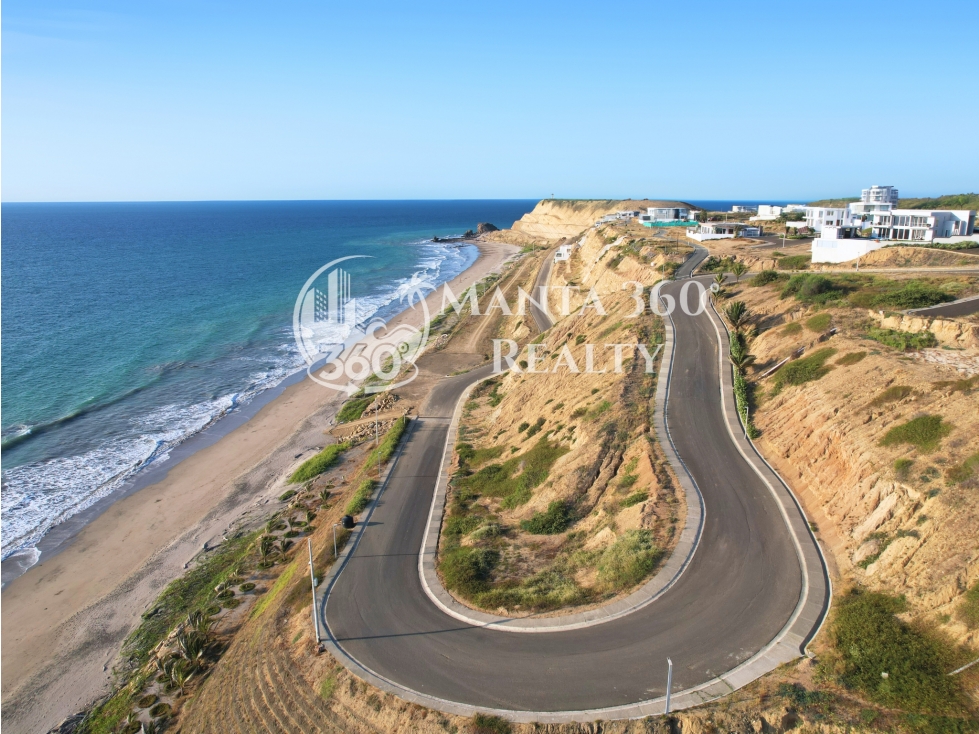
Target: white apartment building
[(879, 195), (922, 225)]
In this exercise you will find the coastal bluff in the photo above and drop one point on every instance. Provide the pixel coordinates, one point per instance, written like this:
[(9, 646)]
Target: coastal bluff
[(555, 219)]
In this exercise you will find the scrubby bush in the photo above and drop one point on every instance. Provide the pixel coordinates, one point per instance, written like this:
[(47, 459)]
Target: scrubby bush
[(803, 370), (848, 360), (968, 610), (628, 560), (457, 525), (791, 328), (891, 395), (818, 323), (915, 294), (890, 661), (635, 498), (467, 570), (555, 519), (903, 340), (318, 464), (765, 277), (362, 497), (924, 432), (353, 409)]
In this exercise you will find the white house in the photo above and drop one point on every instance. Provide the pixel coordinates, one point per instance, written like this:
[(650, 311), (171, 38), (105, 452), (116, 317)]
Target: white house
[(666, 215), (743, 209), (922, 225), (722, 230), (618, 216), (563, 253), (818, 217)]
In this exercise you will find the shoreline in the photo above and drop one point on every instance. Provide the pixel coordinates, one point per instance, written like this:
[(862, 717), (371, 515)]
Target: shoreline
[(67, 615)]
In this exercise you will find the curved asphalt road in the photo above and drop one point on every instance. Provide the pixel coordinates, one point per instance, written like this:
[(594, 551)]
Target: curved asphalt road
[(737, 594)]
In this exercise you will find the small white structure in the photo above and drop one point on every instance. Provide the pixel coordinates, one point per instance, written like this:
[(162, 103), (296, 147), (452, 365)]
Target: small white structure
[(563, 253), (722, 230), (840, 244), (618, 217), (743, 209)]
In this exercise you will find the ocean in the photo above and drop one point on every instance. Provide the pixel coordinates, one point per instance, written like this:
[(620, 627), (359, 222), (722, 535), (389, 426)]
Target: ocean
[(130, 327)]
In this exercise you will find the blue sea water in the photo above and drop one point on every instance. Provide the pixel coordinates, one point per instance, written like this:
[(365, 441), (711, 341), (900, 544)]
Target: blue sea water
[(128, 328)]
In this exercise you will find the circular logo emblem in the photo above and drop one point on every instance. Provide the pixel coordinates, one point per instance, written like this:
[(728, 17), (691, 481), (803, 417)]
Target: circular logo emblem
[(342, 341)]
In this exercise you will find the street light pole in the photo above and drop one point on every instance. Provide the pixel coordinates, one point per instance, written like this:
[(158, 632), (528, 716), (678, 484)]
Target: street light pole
[(335, 539), (312, 584), (669, 683)]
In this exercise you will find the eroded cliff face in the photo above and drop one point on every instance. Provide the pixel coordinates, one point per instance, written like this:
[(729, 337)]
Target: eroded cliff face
[(896, 518), (555, 219)]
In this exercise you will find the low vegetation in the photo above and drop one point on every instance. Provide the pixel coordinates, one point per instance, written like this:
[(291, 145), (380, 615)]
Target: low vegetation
[(313, 467), (353, 409), (892, 662), (905, 341), (803, 370), (362, 497), (497, 480), (891, 395), (555, 519), (924, 433), (848, 360)]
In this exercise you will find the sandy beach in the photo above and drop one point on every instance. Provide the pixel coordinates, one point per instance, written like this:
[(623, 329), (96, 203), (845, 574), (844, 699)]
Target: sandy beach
[(65, 618)]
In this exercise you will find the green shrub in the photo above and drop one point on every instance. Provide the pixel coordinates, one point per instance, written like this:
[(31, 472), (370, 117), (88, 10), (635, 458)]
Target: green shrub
[(848, 360), (287, 495), (599, 409), (950, 386), (765, 277), (389, 443), (362, 497), (458, 525), (915, 294), (812, 288), (467, 570), (353, 409), (794, 262), (245, 588), (968, 610), (961, 472), (146, 701), (892, 394), (924, 432), (318, 464), (871, 641), (628, 560), (486, 724), (555, 519), (523, 427), (535, 429), (803, 370), (635, 498), (903, 340), (161, 709), (327, 687), (791, 328), (818, 323)]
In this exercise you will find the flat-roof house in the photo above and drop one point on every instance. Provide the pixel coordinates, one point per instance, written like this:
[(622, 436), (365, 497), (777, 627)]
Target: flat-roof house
[(659, 216), (723, 230), (922, 225), (744, 209), (818, 217), (563, 253)]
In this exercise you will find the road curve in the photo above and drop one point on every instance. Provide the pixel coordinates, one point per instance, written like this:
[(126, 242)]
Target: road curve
[(741, 590)]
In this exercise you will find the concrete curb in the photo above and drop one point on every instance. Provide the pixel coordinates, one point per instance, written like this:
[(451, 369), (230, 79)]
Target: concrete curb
[(666, 577)]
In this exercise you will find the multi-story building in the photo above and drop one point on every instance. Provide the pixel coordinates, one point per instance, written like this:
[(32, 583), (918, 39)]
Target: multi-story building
[(818, 217), (922, 225), (879, 195)]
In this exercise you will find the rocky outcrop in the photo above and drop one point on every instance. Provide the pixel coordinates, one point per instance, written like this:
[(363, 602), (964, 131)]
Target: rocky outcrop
[(484, 227), (949, 332)]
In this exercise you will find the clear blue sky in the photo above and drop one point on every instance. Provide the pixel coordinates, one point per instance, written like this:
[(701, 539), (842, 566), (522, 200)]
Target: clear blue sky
[(699, 100)]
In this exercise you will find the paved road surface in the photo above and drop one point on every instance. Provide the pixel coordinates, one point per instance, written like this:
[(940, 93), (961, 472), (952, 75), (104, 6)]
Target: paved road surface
[(962, 307), (737, 594)]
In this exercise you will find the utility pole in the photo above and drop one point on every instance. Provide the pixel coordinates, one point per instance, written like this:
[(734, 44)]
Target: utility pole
[(312, 584), (669, 683), (335, 539)]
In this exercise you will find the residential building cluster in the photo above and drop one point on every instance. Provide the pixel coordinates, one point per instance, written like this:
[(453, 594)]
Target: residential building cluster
[(875, 221)]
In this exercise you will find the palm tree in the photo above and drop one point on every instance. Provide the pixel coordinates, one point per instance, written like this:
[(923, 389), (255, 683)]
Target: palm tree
[(737, 315), (324, 496), (739, 269), (719, 280), (199, 622), (284, 545), (739, 355), (180, 674), (266, 546), (192, 646)]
